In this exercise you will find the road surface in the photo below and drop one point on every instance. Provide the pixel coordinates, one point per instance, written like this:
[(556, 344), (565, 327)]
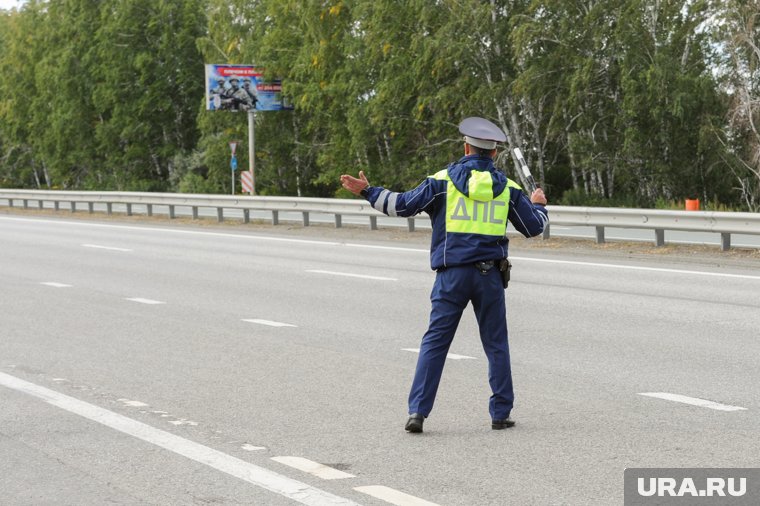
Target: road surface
[(165, 364)]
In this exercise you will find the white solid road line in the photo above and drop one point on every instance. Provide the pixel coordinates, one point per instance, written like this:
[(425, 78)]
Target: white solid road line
[(452, 356), (363, 276), (168, 230), (635, 268), (270, 323), (259, 476), (111, 248), (145, 301), (55, 285), (694, 401), (313, 468), (392, 496)]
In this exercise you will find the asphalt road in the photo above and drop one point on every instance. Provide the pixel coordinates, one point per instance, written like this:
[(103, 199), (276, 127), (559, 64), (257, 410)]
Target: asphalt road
[(166, 364)]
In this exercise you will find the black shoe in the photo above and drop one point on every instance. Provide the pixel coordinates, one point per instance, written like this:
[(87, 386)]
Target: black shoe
[(502, 424), (414, 424)]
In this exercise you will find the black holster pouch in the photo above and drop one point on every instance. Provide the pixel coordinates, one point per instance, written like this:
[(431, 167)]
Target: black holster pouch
[(504, 268)]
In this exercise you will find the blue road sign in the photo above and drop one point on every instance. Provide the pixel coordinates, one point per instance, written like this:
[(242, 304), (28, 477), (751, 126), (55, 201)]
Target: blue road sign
[(233, 163)]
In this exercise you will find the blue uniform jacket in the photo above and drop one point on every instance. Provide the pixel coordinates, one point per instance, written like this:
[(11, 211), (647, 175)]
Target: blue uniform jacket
[(449, 249)]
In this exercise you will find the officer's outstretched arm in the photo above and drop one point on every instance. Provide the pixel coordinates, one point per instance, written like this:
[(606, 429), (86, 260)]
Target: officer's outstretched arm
[(408, 203)]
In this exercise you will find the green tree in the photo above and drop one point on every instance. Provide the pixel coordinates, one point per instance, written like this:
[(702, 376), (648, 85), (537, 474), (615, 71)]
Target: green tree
[(149, 88), (740, 34), (63, 116), (670, 99)]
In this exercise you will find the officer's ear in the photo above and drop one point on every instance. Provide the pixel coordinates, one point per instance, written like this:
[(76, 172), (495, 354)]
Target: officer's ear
[(466, 149)]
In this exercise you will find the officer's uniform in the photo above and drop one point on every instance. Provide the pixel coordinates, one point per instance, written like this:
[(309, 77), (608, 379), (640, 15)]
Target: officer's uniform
[(469, 204)]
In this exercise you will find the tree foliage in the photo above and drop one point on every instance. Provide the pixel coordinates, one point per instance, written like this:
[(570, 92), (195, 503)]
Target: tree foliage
[(612, 101)]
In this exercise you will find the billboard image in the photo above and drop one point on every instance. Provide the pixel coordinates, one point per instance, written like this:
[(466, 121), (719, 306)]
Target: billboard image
[(241, 88)]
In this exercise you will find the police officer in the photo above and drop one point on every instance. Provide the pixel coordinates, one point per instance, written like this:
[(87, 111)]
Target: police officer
[(469, 204)]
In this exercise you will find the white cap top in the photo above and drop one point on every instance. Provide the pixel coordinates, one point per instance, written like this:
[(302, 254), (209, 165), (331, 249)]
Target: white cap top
[(481, 133)]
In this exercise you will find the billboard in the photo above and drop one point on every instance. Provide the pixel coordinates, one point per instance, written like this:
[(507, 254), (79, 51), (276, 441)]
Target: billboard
[(242, 88)]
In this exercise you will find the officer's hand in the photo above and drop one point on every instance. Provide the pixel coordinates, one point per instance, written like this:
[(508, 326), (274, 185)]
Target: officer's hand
[(538, 197), (353, 184)]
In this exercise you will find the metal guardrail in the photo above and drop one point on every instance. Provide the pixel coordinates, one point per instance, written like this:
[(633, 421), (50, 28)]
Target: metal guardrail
[(659, 221)]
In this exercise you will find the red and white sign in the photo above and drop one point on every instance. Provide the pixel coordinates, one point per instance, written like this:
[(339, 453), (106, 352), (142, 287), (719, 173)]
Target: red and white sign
[(233, 147), (246, 180)]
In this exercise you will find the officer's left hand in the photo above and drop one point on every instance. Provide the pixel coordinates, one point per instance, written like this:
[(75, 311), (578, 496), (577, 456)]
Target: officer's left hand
[(354, 185)]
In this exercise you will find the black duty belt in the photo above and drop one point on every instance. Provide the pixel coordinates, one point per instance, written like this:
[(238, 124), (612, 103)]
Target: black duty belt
[(483, 266)]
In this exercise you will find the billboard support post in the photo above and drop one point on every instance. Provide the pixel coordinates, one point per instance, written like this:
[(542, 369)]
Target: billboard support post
[(252, 147)]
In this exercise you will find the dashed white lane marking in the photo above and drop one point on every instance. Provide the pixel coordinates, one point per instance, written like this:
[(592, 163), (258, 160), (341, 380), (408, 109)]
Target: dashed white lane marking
[(145, 301), (253, 474), (392, 496), (250, 448), (56, 285), (363, 276), (694, 401), (134, 404), (111, 248), (452, 356), (269, 323), (313, 468)]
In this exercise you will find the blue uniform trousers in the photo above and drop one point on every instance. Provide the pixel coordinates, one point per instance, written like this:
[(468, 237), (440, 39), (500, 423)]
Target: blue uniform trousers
[(454, 287)]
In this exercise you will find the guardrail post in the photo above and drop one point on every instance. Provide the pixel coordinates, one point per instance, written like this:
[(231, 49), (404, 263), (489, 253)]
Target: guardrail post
[(600, 235), (725, 242), (546, 233), (338, 221), (73, 206), (129, 209), (10, 202), (109, 207), (305, 218), (26, 204), (410, 224), (246, 215), (56, 205), (220, 214), (373, 222), (40, 204), (150, 209), (659, 237), (275, 217), (90, 207)]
